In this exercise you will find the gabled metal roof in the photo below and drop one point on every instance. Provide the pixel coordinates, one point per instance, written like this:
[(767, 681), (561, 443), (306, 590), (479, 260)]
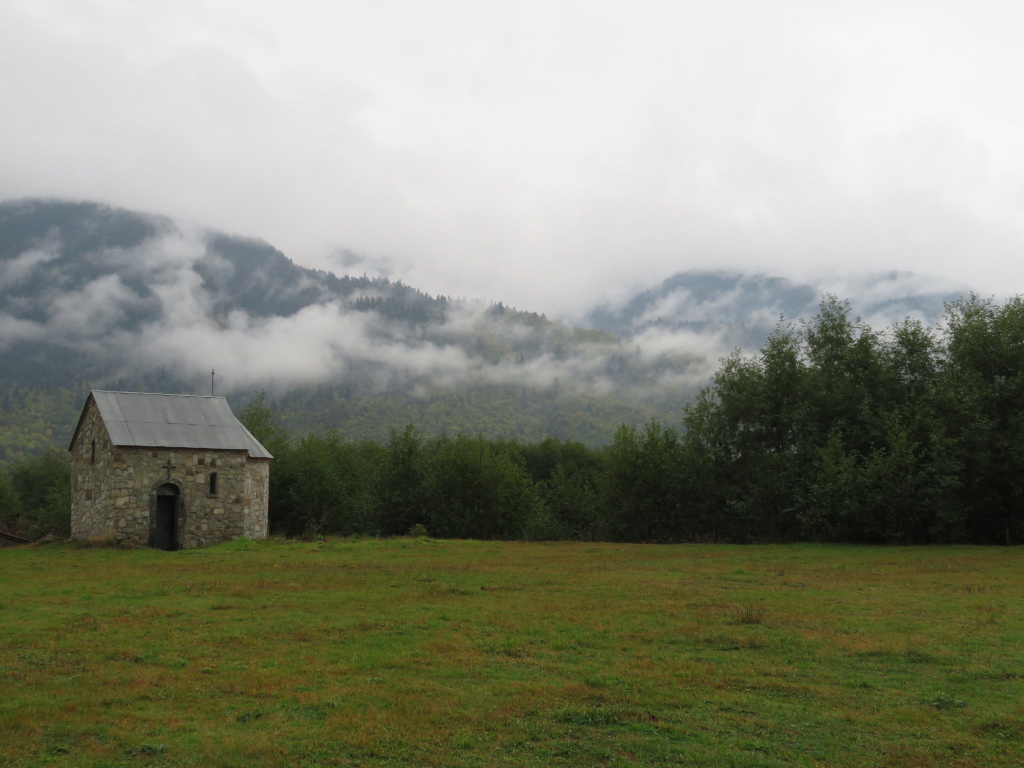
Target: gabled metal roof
[(146, 420)]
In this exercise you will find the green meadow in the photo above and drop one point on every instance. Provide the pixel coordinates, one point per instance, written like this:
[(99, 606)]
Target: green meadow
[(412, 652)]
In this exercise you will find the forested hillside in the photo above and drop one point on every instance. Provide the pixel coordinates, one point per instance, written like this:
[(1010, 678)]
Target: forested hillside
[(834, 431), (95, 297)]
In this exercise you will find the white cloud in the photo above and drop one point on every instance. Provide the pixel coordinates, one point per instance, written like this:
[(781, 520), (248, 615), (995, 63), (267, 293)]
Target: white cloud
[(172, 325), (91, 312), (14, 330), (540, 153), (22, 266)]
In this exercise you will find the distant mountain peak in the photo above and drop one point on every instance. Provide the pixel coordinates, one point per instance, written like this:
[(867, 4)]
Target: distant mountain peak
[(748, 306)]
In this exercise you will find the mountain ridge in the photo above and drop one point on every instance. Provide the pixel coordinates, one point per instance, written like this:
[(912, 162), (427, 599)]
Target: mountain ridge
[(94, 296)]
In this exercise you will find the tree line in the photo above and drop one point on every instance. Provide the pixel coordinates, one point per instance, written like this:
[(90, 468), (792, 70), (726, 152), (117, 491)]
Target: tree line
[(836, 432), (832, 431), (35, 496)]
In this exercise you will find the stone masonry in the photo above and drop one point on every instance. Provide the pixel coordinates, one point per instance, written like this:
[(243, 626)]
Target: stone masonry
[(114, 490)]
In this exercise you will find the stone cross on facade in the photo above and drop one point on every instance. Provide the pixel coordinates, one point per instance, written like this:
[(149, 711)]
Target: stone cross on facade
[(169, 466)]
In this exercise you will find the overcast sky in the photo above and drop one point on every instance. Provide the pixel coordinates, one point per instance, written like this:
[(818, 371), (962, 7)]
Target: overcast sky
[(546, 154)]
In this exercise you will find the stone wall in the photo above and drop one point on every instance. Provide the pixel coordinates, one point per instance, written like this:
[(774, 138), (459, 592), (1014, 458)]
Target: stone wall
[(259, 503), (113, 490)]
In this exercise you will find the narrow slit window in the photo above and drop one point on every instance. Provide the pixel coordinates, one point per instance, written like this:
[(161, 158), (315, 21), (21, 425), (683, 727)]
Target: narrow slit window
[(92, 458), (213, 483)]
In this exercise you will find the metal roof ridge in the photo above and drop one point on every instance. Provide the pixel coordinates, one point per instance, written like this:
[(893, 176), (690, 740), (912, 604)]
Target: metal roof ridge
[(156, 394)]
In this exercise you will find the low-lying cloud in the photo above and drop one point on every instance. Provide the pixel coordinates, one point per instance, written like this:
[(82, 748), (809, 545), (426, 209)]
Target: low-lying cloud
[(149, 307), (164, 305)]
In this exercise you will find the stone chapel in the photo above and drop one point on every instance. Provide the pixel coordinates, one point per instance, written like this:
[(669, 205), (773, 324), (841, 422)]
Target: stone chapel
[(166, 471)]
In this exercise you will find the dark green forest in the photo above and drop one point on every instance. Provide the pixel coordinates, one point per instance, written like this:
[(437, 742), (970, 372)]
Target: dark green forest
[(833, 431)]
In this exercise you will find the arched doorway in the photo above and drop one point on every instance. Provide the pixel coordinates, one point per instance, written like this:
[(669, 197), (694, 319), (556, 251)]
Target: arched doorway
[(165, 531)]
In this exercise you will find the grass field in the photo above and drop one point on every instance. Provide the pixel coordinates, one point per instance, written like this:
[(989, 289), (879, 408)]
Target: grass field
[(421, 652)]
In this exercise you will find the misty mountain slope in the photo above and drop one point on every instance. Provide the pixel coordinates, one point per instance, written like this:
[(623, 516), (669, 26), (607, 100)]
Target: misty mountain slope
[(50, 249), (745, 308), (97, 297), (121, 293)]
